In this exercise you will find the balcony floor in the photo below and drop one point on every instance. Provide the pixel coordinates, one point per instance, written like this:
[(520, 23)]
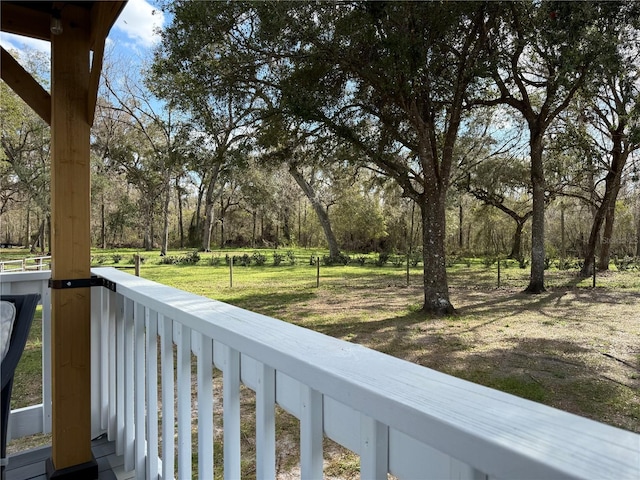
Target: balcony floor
[(30, 465)]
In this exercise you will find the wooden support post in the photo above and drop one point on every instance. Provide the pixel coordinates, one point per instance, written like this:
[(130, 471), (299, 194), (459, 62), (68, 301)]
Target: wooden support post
[(70, 210)]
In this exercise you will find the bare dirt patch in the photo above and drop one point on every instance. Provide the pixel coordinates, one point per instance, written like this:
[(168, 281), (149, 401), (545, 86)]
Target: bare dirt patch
[(573, 349)]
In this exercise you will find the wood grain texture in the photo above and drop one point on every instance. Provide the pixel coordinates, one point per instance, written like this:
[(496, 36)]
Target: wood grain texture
[(70, 210)]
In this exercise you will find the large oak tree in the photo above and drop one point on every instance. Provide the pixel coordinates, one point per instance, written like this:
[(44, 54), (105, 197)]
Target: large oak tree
[(392, 78)]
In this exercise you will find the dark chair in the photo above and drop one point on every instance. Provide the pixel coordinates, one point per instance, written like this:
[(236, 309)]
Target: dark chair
[(25, 309)]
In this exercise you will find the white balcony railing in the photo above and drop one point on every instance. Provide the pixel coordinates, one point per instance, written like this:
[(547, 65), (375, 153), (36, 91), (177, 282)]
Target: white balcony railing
[(399, 417), (26, 264)]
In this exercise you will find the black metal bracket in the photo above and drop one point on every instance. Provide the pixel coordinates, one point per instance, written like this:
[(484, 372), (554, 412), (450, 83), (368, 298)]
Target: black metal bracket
[(94, 281)]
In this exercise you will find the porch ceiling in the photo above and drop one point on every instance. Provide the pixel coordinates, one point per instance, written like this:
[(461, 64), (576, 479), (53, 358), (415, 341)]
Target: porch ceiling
[(33, 19)]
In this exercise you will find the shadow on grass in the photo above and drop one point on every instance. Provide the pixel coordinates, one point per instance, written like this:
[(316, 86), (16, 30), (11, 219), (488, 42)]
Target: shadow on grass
[(560, 373), (272, 303)]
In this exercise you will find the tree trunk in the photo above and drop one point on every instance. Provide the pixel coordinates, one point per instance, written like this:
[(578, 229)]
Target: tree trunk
[(563, 246), (180, 213), (165, 217), (222, 211), (254, 216), (536, 280), (286, 227), (612, 187), (638, 226), (460, 224), (148, 227), (27, 240), (516, 245), (103, 224), (48, 235), (321, 212), (208, 209), (607, 234), (436, 287)]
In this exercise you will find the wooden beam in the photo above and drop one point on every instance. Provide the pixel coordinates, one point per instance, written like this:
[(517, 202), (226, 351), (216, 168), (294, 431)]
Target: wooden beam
[(103, 15), (94, 81), (25, 21), (70, 210), (25, 86)]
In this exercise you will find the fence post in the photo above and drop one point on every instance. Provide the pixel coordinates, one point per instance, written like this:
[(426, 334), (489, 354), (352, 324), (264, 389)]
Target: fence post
[(230, 271), (137, 263), (318, 272)]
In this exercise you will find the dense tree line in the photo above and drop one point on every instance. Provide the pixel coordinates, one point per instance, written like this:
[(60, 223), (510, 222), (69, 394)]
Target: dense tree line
[(446, 128)]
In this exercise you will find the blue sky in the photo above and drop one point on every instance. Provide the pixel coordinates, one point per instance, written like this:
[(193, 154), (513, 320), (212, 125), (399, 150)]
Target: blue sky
[(132, 35)]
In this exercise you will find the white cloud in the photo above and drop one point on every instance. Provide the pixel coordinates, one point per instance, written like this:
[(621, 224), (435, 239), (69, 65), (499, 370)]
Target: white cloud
[(139, 20)]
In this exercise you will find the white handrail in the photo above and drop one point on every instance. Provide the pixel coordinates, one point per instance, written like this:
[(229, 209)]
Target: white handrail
[(399, 417), (30, 263)]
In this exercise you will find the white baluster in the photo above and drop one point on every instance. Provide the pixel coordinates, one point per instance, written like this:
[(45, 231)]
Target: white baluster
[(113, 362), (231, 414), (120, 367), (104, 358), (129, 420), (140, 397), (310, 434), (152, 394), (168, 405), (265, 422), (184, 402), (374, 449), (205, 408)]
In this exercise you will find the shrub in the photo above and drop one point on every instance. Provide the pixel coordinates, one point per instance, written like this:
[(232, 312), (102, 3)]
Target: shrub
[(397, 260), (258, 258), (488, 261), (625, 263), (291, 257), (415, 258), (383, 258), (214, 260), (192, 258), (116, 257), (278, 258), (188, 259), (168, 260), (244, 260), (132, 260), (361, 260), (340, 259)]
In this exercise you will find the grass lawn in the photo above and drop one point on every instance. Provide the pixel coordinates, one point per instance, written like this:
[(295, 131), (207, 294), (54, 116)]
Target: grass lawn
[(573, 347)]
